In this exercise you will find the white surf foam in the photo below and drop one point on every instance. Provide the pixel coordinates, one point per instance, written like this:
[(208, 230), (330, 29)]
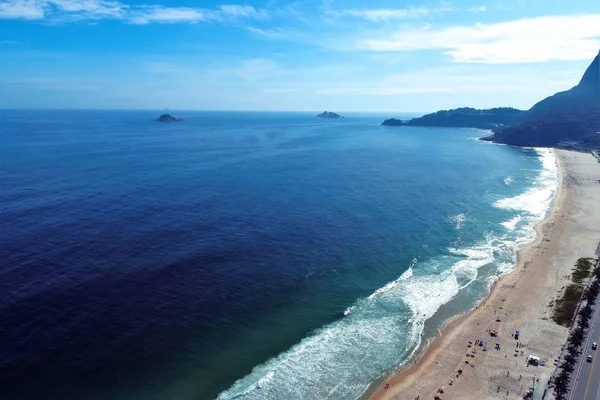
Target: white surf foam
[(511, 224), (379, 332), (383, 330), (459, 220), (407, 274), (537, 199)]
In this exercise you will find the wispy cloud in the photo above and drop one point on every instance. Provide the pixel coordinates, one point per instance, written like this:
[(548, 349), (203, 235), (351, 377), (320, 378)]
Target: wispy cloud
[(392, 91), (92, 9), (21, 9), (387, 14), (78, 10), (167, 15), (243, 11), (539, 39), (382, 14), (275, 33), (477, 9)]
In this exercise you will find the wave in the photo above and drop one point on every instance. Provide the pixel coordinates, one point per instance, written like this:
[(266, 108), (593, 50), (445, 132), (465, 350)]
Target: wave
[(380, 331), (459, 220), (512, 223), (385, 329), (536, 200)]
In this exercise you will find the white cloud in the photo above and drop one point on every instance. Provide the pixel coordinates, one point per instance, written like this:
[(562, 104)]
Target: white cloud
[(21, 9), (243, 11), (382, 14), (77, 10), (275, 33), (540, 39), (92, 8), (167, 15), (477, 9)]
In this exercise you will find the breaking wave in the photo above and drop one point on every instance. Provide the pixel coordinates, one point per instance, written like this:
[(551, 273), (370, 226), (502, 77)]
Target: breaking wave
[(458, 220), (383, 330)]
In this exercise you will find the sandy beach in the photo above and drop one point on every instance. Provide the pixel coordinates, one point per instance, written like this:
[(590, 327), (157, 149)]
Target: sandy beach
[(518, 301)]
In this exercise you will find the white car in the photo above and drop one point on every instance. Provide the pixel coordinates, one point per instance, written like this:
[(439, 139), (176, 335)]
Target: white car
[(594, 346)]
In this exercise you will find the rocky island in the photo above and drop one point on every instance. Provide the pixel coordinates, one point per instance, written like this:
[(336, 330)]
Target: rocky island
[(393, 122), (329, 115), (168, 118), (568, 119)]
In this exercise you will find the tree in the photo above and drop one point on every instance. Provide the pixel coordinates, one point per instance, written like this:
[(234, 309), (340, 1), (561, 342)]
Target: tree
[(585, 313), (570, 359), (567, 367), (583, 323), (560, 384), (574, 349), (576, 337)]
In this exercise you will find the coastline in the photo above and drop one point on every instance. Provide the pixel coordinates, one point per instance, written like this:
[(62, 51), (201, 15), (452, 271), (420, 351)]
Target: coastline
[(542, 268)]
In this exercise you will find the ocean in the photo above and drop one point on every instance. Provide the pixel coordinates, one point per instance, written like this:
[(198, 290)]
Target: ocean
[(244, 255)]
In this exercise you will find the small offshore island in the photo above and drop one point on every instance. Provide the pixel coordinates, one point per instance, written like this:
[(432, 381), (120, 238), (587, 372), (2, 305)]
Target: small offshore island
[(168, 118), (568, 120), (329, 115)]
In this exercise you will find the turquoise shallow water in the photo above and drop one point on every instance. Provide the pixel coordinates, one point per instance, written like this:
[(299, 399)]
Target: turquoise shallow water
[(244, 255)]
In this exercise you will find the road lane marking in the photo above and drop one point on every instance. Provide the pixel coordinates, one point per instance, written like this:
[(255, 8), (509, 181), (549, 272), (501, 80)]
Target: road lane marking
[(585, 346), (585, 394)]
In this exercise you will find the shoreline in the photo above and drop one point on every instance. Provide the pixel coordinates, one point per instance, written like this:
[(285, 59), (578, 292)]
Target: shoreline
[(443, 353)]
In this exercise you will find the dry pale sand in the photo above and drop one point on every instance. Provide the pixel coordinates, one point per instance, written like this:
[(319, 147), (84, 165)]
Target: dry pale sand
[(520, 300)]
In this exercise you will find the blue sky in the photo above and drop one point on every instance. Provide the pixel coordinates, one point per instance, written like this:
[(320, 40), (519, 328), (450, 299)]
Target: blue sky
[(342, 55)]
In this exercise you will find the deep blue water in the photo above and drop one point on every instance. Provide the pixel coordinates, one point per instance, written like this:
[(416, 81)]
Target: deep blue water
[(251, 255)]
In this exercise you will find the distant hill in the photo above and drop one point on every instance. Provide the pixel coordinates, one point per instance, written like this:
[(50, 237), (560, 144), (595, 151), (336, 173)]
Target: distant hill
[(566, 119), (466, 117)]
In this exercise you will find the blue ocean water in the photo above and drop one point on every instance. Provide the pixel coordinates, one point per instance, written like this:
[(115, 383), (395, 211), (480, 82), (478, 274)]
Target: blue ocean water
[(243, 255)]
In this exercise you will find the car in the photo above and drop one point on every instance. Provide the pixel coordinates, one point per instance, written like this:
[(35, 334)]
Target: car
[(594, 346), (589, 359)]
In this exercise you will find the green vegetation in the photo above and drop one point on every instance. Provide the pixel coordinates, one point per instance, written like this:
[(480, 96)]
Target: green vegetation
[(559, 383), (582, 270), (566, 305)]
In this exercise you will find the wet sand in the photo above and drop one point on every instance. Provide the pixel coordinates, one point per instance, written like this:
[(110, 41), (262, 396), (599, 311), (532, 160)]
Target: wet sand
[(518, 301)]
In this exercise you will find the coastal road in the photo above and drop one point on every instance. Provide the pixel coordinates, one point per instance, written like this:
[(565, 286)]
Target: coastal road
[(586, 384)]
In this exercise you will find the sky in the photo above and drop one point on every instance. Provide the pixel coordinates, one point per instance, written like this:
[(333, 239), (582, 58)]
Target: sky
[(304, 55)]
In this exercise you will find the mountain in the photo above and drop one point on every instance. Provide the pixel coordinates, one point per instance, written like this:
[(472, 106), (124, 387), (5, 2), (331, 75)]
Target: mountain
[(565, 119), (466, 117), (330, 115)]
